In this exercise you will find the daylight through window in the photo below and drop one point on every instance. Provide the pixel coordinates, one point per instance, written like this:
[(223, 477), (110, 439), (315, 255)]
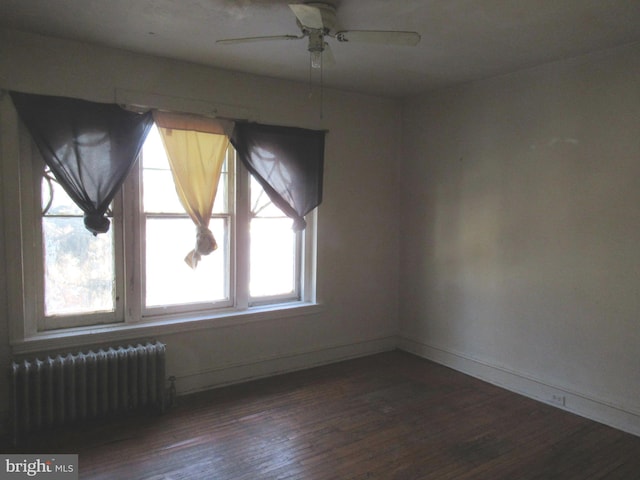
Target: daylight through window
[(259, 259)]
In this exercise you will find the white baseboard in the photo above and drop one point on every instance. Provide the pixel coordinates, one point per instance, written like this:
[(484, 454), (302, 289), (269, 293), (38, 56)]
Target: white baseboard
[(256, 368), (575, 402)]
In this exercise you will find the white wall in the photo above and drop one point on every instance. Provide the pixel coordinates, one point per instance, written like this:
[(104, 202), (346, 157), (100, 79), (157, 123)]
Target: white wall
[(520, 232), (357, 240)]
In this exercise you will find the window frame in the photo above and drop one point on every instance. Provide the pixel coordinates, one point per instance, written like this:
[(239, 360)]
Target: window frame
[(259, 300), (30, 324), (137, 290), (32, 169)]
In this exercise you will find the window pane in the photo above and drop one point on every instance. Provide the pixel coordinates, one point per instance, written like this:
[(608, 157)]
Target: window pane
[(52, 192), (159, 192), (261, 205), (79, 268), (153, 153), (169, 280), (273, 247)]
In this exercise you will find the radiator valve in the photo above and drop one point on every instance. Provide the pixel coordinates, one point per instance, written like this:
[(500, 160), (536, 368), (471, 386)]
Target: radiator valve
[(172, 391)]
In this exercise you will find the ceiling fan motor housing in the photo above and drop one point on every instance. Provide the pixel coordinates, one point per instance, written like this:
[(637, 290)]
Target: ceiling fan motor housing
[(316, 41)]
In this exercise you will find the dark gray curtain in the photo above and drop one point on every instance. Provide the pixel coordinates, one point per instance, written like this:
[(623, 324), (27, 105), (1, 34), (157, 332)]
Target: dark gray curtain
[(288, 163), (90, 147)]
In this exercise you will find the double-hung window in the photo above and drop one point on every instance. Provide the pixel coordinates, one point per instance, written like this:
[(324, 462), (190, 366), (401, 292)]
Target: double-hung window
[(136, 271), (75, 273), (167, 234)]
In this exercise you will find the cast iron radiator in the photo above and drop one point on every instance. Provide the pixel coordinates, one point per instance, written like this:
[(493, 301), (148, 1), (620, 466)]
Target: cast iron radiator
[(74, 387)]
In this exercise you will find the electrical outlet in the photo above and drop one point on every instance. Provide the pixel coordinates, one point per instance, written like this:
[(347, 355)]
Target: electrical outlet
[(560, 400)]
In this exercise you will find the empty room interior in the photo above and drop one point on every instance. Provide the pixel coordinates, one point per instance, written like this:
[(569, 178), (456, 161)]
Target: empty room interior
[(427, 220)]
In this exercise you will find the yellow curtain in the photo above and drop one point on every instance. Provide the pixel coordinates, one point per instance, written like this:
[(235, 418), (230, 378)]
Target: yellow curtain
[(196, 148)]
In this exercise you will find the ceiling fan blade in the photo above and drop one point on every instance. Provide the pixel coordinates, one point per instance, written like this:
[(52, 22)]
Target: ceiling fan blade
[(328, 60), (380, 37), (308, 16), (232, 41)]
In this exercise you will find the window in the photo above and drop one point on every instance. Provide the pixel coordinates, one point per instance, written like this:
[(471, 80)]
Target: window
[(275, 250), (169, 234), (78, 269), (137, 272)]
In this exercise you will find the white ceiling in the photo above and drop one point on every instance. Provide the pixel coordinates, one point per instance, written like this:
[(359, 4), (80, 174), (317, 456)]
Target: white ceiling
[(462, 40)]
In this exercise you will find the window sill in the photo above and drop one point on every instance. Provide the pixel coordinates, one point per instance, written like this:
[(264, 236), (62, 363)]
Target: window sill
[(65, 339)]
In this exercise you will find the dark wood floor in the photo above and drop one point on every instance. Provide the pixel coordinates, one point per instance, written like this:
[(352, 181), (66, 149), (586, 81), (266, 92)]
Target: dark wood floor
[(388, 416)]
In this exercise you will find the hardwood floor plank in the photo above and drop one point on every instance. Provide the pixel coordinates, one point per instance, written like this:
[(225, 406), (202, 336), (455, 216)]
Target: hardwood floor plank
[(388, 416)]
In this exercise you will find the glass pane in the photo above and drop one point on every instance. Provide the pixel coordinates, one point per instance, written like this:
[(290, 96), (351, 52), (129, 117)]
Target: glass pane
[(159, 192), (273, 250), (170, 281), (261, 205), (61, 204), (79, 268), (153, 153)]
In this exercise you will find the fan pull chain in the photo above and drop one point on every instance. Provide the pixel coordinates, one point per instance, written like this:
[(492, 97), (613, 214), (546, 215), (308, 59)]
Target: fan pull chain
[(321, 87), (310, 79), (311, 70)]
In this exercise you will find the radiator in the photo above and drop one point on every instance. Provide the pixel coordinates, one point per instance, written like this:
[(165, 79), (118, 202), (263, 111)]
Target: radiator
[(74, 387)]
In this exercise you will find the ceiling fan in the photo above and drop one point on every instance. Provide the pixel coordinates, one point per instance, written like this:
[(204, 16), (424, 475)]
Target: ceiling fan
[(317, 20)]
